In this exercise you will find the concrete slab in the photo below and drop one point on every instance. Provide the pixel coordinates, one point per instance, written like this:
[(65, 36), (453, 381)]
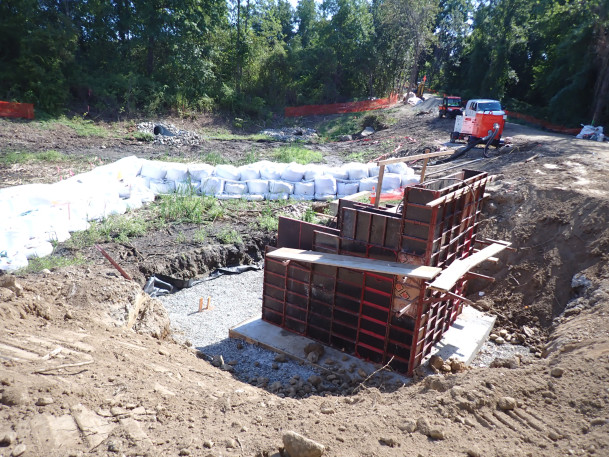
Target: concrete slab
[(466, 336), (269, 336), (462, 341)]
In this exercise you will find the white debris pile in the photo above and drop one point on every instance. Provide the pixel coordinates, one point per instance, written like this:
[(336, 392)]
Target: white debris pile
[(291, 134), (169, 134), (590, 132), (34, 215)]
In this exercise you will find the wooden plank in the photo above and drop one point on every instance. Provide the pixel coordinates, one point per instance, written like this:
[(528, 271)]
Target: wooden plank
[(457, 193), (449, 277), (425, 160), (413, 157), (356, 263), (379, 185)]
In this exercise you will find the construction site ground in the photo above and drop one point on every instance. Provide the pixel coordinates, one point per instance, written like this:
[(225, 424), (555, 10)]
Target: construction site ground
[(87, 366)]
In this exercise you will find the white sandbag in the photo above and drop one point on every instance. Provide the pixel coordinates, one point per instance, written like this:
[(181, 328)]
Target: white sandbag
[(337, 172), (249, 172), (368, 184), (302, 198), (198, 171), (325, 185), (13, 263), (313, 171), (304, 188), (212, 186), (270, 170), (225, 196), (391, 181), (128, 167), (12, 241), (409, 180), (162, 186), (59, 234), (325, 197), (356, 171), (227, 172), (373, 170), (400, 168), (187, 187), (280, 187), (124, 190), (177, 172), (38, 248), (258, 186), (154, 169), (235, 187), (293, 172), (254, 197), (347, 188), (275, 196), (134, 203)]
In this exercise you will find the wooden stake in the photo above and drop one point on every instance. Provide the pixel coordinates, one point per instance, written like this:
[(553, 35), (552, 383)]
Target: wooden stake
[(379, 185), (425, 160), (200, 304), (208, 303)]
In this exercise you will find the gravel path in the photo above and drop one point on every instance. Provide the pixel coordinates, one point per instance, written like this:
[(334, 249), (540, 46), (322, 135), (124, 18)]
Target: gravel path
[(234, 299)]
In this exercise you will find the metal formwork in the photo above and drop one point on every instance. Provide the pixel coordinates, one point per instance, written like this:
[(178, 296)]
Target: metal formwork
[(381, 318)]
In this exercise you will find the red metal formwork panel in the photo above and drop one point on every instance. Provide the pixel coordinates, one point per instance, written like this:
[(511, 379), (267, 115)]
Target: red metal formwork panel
[(381, 318)]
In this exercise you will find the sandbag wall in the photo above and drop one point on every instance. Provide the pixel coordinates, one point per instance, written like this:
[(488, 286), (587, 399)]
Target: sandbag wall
[(376, 317), (35, 215), (273, 181)]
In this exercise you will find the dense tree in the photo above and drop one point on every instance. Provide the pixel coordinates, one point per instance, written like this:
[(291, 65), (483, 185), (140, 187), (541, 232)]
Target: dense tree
[(549, 58)]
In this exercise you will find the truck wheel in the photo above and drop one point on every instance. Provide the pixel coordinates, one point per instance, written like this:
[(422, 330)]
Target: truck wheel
[(454, 136)]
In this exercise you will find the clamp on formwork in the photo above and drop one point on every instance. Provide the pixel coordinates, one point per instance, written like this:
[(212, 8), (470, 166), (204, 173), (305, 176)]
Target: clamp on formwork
[(385, 285)]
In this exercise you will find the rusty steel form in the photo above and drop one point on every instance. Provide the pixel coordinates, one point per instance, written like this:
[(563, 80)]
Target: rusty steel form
[(378, 317)]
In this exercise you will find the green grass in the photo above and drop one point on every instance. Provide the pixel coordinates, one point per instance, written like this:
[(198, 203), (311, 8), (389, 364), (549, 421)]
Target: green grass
[(37, 264), (141, 136), (200, 236), (118, 228), (229, 236), (180, 238), (298, 154), (346, 124), (310, 216), (268, 220), (233, 137), (82, 127), (13, 157)]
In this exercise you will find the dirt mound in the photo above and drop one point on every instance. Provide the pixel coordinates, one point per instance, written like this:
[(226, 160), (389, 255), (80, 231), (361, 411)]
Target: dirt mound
[(100, 296)]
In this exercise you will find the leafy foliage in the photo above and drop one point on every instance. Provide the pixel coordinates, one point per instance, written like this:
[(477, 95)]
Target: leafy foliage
[(114, 58)]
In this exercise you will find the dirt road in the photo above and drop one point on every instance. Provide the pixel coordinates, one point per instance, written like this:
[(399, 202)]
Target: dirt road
[(88, 368)]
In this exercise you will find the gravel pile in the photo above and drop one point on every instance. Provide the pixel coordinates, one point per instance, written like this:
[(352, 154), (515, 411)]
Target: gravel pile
[(291, 134), (173, 136), (234, 299)]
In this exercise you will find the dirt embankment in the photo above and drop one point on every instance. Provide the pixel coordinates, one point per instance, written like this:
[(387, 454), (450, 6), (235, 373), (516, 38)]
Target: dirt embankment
[(87, 367)]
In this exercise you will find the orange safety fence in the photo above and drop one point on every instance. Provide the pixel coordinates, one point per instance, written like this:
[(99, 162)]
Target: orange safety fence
[(340, 108), (10, 109), (542, 123)]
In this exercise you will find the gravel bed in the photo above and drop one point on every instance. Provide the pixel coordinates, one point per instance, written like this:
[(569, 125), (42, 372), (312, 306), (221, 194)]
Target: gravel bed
[(234, 298), (491, 351)]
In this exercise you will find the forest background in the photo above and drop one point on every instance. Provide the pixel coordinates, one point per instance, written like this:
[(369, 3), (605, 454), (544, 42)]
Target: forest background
[(117, 58)]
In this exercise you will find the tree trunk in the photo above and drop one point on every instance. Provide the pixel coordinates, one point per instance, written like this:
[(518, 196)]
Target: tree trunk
[(601, 87)]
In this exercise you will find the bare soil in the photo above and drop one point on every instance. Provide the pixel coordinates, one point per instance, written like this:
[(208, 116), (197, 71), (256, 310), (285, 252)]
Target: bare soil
[(88, 366)]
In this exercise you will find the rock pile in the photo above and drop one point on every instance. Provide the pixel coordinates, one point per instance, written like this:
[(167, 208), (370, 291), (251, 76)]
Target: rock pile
[(291, 134), (169, 134)]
